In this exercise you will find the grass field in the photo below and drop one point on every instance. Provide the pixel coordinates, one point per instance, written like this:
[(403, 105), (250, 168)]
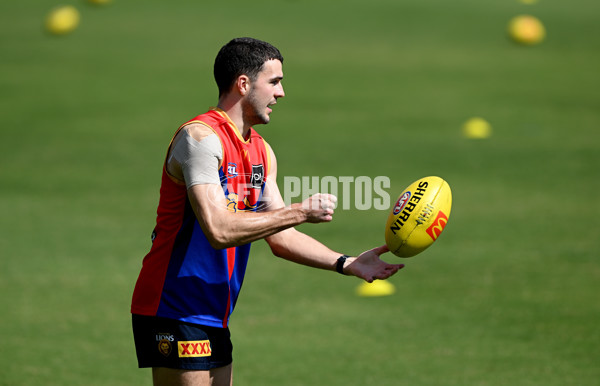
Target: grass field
[(507, 296)]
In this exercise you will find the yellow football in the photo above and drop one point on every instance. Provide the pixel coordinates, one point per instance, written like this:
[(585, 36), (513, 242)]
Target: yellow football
[(418, 217)]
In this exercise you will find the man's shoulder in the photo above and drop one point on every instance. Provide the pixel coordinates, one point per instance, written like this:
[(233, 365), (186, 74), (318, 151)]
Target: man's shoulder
[(198, 130)]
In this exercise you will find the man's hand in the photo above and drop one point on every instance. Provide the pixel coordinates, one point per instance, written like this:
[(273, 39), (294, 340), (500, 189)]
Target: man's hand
[(319, 207), (369, 266)]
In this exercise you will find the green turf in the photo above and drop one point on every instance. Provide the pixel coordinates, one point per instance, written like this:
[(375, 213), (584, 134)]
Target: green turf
[(507, 296)]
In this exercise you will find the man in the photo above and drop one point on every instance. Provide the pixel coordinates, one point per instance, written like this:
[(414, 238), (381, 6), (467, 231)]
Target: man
[(218, 194)]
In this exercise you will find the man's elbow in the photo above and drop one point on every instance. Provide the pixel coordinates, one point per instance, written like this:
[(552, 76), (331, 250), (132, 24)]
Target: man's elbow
[(278, 248), (219, 239), (277, 251)]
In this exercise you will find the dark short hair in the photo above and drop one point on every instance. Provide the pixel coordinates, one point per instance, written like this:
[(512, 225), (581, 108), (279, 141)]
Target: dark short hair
[(242, 56)]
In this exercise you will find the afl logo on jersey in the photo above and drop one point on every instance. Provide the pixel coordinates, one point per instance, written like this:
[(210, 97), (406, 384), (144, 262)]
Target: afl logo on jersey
[(231, 170), (258, 176)]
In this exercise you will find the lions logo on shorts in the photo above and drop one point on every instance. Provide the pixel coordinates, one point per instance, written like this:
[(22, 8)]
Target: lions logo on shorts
[(165, 348), (164, 343)]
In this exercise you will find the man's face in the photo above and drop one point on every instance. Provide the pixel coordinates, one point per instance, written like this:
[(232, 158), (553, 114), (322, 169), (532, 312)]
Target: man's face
[(263, 94)]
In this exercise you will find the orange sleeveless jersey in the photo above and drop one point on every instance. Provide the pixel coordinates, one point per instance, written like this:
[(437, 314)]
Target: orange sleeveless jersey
[(183, 277)]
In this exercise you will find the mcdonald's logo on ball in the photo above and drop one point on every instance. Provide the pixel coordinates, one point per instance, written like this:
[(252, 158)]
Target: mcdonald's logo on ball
[(437, 226)]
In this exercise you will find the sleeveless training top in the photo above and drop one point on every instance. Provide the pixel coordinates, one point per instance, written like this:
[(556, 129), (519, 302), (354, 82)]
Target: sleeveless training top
[(183, 277)]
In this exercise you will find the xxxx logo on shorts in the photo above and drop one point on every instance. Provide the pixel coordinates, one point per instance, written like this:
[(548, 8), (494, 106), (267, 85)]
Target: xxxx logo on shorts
[(194, 348)]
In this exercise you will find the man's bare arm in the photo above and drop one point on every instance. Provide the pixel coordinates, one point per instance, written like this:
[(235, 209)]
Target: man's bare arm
[(225, 228)]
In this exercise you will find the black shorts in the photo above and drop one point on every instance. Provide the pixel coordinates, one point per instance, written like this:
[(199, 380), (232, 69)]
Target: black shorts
[(162, 342)]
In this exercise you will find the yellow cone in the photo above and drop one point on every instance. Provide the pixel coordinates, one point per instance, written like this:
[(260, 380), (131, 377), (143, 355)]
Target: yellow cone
[(62, 20), (477, 128), (527, 30), (100, 2), (377, 288)]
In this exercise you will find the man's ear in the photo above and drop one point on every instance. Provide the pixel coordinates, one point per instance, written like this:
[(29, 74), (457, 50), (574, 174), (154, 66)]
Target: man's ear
[(243, 84)]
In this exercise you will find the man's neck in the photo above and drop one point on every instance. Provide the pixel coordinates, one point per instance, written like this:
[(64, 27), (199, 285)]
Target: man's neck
[(234, 112)]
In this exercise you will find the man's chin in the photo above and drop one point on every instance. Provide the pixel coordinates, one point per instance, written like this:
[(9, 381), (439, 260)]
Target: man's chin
[(264, 119)]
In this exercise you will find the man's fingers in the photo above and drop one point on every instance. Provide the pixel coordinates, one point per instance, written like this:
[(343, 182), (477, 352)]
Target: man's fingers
[(327, 201), (332, 198), (381, 250)]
